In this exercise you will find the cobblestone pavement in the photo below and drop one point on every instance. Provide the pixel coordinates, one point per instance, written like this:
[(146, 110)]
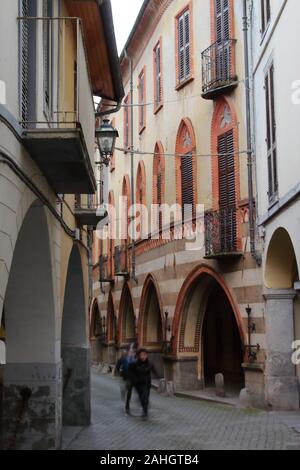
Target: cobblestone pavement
[(178, 424)]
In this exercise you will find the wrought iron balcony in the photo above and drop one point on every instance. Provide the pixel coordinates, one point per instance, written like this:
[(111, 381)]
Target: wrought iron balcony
[(56, 103), (121, 261), (105, 269), (218, 69), (221, 234), (88, 214)]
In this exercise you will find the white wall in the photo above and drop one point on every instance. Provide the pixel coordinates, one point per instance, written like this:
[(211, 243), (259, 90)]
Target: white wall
[(279, 45)]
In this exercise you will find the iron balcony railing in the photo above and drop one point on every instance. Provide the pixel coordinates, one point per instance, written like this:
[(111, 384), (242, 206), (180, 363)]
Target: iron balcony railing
[(56, 91), (105, 271), (218, 66), (221, 233), (121, 260)]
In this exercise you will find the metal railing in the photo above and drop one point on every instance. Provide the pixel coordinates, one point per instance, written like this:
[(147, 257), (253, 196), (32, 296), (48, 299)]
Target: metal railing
[(105, 269), (218, 65), (55, 91), (121, 260), (221, 232)]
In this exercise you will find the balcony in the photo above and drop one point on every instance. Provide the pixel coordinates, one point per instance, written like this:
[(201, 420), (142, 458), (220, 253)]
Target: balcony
[(218, 69), (56, 103), (105, 269), (88, 214), (221, 234), (121, 261)]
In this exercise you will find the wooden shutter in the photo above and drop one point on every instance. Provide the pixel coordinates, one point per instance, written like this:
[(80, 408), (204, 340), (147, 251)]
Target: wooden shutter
[(126, 122), (24, 61), (227, 192), (142, 100), (158, 77), (222, 20), (271, 134), (184, 47), (159, 193), (187, 183), (47, 13)]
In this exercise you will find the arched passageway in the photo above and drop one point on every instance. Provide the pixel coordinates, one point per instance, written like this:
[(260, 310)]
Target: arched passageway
[(208, 333), (32, 373), (282, 320), (74, 347), (96, 334), (111, 331), (127, 323), (151, 333), (221, 342)]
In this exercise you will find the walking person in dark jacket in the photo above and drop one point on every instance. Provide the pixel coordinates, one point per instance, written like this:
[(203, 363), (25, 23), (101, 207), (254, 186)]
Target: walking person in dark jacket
[(122, 368), (140, 375)]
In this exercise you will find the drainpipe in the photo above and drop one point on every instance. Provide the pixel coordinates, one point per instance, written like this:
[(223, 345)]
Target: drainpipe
[(254, 253), (133, 260)]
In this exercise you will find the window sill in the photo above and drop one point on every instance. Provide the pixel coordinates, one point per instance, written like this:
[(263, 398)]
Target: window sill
[(184, 83), (157, 108)]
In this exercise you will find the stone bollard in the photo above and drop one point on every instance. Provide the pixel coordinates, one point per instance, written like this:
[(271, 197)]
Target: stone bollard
[(220, 386), (170, 390), (162, 386)]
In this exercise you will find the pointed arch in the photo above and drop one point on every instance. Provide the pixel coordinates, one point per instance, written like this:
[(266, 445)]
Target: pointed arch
[(224, 121), (111, 320), (151, 297), (126, 319), (112, 234), (185, 164), (126, 193), (199, 272), (95, 320), (158, 174), (141, 183)]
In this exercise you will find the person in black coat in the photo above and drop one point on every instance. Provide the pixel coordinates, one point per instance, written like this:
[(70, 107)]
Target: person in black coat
[(140, 376)]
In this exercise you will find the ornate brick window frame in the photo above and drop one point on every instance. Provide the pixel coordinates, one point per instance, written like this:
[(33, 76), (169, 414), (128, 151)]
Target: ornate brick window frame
[(185, 144)]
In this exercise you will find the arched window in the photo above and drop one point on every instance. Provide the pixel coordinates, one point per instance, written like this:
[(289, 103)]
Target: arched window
[(111, 238), (186, 169), (125, 209), (158, 184), (225, 174), (141, 196)]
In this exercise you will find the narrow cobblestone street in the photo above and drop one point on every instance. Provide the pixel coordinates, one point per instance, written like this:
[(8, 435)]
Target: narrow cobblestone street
[(178, 424)]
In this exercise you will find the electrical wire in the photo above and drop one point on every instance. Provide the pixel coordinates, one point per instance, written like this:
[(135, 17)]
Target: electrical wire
[(139, 152)]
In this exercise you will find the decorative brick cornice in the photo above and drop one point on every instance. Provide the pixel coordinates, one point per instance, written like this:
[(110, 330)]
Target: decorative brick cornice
[(143, 33)]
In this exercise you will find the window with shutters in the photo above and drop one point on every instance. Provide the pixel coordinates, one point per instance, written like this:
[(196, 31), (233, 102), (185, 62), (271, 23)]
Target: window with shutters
[(142, 100), (113, 157), (227, 192), (184, 47), (24, 61), (158, 185), (158, 84), (186, 169), (271, 135), (47, 56), (141, 196), (223, 223), (223, 44), (127, 111), (265, 15)]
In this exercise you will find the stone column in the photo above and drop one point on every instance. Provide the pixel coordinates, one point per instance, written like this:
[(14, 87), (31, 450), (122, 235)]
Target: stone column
[(281, 387), (32, 399), (76, 386)]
